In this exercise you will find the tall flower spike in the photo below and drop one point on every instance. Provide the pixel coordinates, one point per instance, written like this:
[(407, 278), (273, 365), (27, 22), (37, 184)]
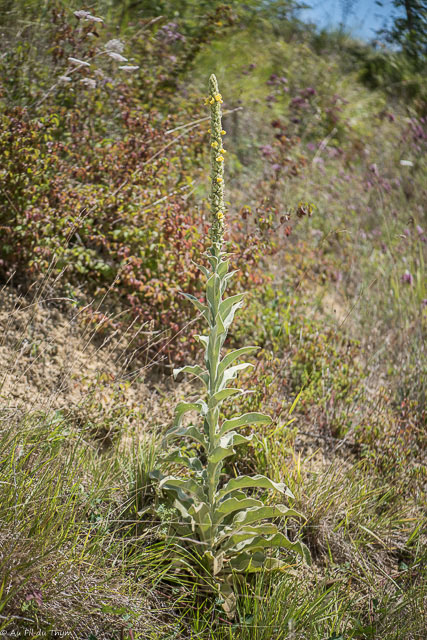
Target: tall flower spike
[(217, 165)]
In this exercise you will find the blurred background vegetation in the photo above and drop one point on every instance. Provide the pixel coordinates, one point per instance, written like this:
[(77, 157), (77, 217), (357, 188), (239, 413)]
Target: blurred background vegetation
[(103, 187)]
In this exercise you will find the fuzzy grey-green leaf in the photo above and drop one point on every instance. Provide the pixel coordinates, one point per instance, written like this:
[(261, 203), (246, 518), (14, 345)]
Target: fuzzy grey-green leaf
[(245, 482), (244, 420), (194, 369)]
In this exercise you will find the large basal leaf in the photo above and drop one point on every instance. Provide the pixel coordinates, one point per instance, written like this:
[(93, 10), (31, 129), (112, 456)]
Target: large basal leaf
[(179, 506), (246, 562), (218, 563), (201, 516), (245, 536), (178, 457), (230, 505), (229, 600), (256, 514), (276, 540), (251, 563), (246, 482), (188, 485), (244, 420)]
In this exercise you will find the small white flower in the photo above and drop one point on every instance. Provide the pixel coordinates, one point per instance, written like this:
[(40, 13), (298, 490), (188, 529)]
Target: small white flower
[(115, 45), (81, 14), (64, 79), (94, 18), (80, 62), (129, 67), (406, 163), (86, 15), (89, 82), (117, 56)]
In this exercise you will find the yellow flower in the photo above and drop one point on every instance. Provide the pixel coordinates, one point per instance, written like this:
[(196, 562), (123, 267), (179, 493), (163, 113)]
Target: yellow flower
[(219, 179), (220, 215), (214, 144), (219, 159), (218, 97), (206, 101), (222, 151), (211, 100), (223, 132)]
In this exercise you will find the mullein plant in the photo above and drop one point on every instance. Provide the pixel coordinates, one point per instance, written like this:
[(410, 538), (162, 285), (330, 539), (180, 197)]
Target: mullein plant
[(228, 529)]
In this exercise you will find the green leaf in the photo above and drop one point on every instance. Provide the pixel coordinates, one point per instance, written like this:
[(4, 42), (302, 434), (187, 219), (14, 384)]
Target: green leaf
[(192, 463), (229, 303), (194, 369), (219, 396), (201, 516), (225, 280), (230, 505), (225, 446), (223, 267), (277, 540), (244, 420), (256, 514), (258, 561), (188, 432), (245, 482), (218, 563), (230, 600), (181, 508), (213, 352), (188, 485), (203, 269), (213, 293), (231, 373), (248, 562), (232, 356), (185, 407), (227, 318), (245, 537), (204, 340), (199, 305)]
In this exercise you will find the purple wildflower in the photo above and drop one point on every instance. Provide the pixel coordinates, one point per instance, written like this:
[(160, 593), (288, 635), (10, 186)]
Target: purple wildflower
[(407, 278), (266, 150)]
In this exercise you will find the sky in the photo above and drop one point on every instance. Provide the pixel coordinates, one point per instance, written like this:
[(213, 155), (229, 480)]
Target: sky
[(364, 19)]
